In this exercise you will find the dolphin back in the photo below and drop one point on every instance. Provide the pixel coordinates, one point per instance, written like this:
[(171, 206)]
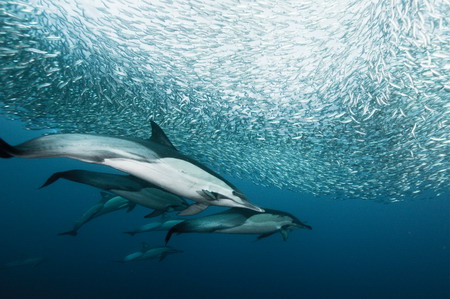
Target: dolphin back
[(84, 147)]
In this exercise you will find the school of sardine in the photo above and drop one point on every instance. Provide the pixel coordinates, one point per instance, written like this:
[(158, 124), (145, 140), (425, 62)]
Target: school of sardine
[(347, 99)]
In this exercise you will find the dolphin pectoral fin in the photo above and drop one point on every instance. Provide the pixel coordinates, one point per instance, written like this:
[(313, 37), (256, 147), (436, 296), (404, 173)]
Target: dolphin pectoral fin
[(262, 236), (208, 194), (193, 209), (131, 206), (155, 213), (163, 256), (284, 234), (170, 233)]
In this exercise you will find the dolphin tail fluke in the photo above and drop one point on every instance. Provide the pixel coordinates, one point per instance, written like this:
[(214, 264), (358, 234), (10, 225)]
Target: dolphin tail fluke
[(7, 151), (130, 233), (53, 178), (69, 233)]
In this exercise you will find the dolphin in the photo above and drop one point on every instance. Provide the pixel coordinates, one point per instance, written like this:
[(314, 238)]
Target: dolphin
[(24, 261), (155, 160), (163, 225), (107, 204), (147, 252), (241, 221), (130, 187)]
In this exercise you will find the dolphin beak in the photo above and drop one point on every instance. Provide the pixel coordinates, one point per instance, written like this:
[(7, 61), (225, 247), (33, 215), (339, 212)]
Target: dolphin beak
[(253, 207), (304, 226)]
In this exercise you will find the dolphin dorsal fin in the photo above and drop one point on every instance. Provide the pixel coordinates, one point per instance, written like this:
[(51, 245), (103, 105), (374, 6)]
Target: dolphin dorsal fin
[(158, 136), (105, 196)]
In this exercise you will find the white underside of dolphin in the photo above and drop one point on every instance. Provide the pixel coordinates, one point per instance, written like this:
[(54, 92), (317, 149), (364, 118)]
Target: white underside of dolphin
[(176, 176)]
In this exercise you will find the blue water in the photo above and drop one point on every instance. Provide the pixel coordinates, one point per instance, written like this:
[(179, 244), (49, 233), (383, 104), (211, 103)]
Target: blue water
[(357, 249)]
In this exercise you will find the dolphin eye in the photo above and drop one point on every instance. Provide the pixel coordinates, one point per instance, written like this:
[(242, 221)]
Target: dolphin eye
[(212, 195), (240, 195)]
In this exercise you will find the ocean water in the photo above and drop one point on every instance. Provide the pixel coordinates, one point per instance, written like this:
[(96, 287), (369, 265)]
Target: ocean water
[(356, 249), (334, 112)]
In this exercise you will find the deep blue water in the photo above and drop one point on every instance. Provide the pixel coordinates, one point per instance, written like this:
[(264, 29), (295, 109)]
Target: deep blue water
[(357, 249)]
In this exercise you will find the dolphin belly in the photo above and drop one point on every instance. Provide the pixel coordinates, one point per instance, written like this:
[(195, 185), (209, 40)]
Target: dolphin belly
[(186, 180)]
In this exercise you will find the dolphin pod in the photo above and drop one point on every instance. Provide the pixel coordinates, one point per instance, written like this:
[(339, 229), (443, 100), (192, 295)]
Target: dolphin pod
[(241, 221), (107, 204), (158, 178), (127, 186), (155, 160)]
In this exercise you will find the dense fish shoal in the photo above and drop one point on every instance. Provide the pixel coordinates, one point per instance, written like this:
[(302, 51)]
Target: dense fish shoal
[(348, 99)]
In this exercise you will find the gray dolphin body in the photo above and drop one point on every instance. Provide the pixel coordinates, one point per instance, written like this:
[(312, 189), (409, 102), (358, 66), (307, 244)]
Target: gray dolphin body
[(163, 225), (26, 261), (147, 252), (155, 160), (127, 186), (108, 204), (241, 221)]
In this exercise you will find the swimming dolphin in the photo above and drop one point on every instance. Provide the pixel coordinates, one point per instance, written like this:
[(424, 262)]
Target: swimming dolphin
[(163, 225), (24, 261), (130, 187), (241, 221), (155, 160), (107, 204), (147, 252)]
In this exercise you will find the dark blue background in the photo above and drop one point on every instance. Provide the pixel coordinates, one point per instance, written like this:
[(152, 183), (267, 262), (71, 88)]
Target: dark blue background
[(357, 249)]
